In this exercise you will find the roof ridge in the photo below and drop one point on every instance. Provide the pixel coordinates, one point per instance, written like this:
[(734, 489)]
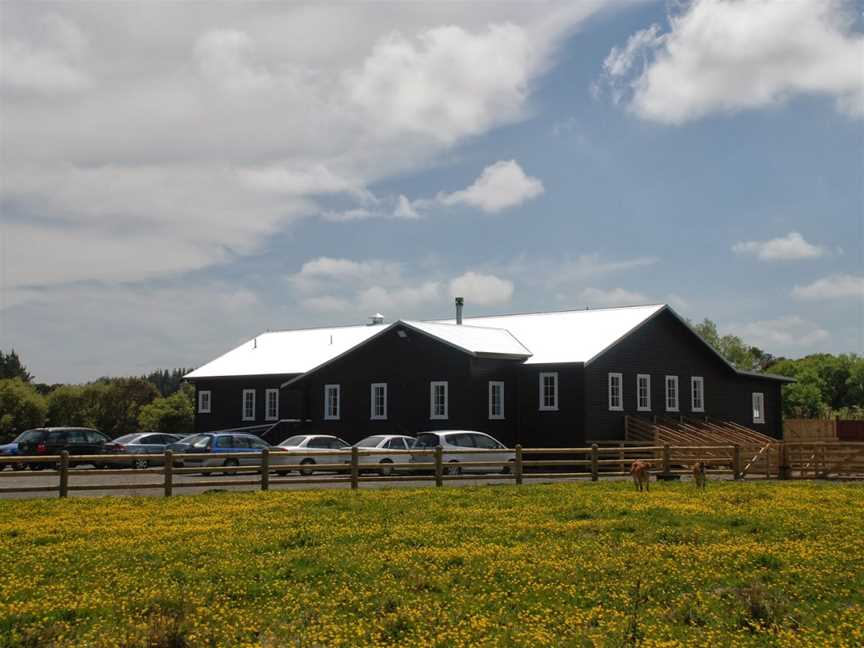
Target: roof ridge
[(440, 323), (558, 312)]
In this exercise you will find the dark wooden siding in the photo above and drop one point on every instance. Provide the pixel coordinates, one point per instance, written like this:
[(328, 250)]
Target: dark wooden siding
[(562, 428), (226, 401), (661, 347)]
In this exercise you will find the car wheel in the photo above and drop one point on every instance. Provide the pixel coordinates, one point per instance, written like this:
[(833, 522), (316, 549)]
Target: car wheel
[(385, 469), (307, 470), (453, 468), (18, 466), (140, 464), (37, 466), (508, 469), (230, 463)]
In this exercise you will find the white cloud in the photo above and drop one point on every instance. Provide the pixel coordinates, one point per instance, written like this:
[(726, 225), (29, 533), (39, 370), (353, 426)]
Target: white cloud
[(51, 65), (789, 332), (838, 286), (721, 56), (791, 247), (214, 127), (482, 289), (612, 297), (500, 186), (448, 82)]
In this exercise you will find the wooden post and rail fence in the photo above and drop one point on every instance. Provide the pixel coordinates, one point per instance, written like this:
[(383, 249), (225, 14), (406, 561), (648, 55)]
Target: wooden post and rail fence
[(269, 468)]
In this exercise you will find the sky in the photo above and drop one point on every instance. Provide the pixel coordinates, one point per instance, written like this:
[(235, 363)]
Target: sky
[(178, 177)]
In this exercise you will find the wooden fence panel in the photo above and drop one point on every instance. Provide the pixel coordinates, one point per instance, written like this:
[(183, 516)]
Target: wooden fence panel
[(850, 431), (809, 430)]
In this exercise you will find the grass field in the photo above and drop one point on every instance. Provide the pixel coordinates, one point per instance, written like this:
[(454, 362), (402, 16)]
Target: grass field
[(775, 563)]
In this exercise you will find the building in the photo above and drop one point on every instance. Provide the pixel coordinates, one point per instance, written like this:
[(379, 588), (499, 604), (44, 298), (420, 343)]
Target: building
[(540, 379)]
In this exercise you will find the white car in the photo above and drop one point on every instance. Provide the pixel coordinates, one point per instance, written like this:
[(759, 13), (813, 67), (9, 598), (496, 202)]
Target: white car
[(385, 446), (451, 440), (312, 446)]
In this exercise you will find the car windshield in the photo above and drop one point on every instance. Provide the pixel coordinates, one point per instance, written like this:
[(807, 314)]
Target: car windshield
[(190, 440), (293, 441), (370, 442), (426, 441), (126, 438), (30, 435)]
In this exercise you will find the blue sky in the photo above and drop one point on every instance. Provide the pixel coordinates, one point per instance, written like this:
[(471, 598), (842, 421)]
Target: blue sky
[(170, 192)]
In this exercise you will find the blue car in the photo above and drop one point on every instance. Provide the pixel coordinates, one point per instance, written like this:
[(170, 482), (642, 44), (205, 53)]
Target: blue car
[(210, 445), (8, 450)]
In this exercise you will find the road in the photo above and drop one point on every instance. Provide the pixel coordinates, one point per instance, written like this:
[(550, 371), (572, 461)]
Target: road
[(185, 484)]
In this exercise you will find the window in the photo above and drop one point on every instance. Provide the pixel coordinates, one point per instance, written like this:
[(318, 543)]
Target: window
[(438, 405), (397, 443), (331, 402), (204, 402), (758, 407), (548, 391), (671, 393), (616, 398), (271, 405), (248, 404), (224, 441), (643, 393), (697, 394), (485, 442), (378, 398), (496, 400)]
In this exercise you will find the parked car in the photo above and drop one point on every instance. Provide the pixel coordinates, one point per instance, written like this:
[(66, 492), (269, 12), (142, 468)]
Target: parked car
[(451, 440), (385, 446), (53, 440), (142, 443), (11, 450), (212, 444), (312, 445)]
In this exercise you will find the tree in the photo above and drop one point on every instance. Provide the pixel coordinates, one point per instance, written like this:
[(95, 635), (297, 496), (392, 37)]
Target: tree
[(167, 381), (72, 405), (172, 415), (740, 355), (117, 403), (11, 367), (21, 407)]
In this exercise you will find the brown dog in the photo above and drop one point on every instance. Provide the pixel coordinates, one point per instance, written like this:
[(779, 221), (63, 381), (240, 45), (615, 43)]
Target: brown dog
[(639, 471), (699, 474)]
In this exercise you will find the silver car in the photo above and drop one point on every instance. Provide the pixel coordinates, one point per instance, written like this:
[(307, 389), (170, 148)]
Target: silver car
[(310, 448), (385, 446), (462, 440)]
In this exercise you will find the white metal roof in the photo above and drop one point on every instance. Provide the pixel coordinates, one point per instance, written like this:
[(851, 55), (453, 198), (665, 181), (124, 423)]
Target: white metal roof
[(569, 336), (478, 340), (300, 351), (287, 352)]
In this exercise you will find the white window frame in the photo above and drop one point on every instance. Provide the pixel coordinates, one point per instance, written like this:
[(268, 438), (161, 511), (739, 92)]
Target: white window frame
[(271, 396), (676, 407), (493, 415), (758, 407), (373, 415), (639, 406), (613, 376), (432, 387), (697, 380), (247, 417), (328, 415), (554, 406), (201, 398)]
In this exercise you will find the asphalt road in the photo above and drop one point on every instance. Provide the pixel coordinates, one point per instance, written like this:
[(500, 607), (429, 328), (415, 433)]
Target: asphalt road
[(186, 484)]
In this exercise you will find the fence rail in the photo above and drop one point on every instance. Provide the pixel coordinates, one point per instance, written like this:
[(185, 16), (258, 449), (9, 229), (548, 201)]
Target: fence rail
[(782, 460)]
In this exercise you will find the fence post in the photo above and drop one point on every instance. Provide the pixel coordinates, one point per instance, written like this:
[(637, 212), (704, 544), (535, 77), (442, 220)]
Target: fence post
[(265, 469), (169, 473), (736, 462), (64, 473), (667, 462), (517, 467), (783, 463), (355, 468), (594, 469), (439, 466)]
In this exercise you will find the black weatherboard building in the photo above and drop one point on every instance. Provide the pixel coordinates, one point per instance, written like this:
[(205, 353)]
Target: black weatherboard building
[(539, 379)]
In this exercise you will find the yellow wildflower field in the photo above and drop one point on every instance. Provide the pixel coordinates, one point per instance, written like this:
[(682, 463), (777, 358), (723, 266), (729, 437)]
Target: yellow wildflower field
[(567, 564)]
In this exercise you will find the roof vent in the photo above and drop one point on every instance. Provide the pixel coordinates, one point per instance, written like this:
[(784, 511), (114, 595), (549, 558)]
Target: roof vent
[(460, 302), (377, 318)]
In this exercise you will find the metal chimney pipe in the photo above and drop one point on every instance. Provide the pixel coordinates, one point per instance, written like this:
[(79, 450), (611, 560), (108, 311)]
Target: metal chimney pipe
[(460, 302)]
